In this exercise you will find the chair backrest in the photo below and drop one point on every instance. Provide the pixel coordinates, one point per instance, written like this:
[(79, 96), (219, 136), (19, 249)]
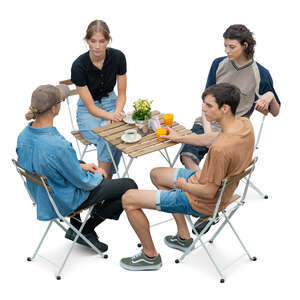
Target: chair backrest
[(68, 82), (33, 177), (234, 180), (264, 113), (39, 180), (73, 92)]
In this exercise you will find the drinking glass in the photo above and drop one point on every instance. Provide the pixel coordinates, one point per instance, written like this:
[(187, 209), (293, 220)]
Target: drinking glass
[(168, 119)]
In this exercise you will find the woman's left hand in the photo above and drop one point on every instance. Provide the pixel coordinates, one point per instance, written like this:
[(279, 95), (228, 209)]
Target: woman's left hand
[(263, 103), (118, 116)]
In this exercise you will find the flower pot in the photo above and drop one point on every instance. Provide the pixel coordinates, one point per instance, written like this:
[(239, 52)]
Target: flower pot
[(142, 126)]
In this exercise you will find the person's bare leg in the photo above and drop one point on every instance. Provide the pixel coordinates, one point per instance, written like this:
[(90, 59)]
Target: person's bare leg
[(106, 167), (133, 201), (189, 163), (182, 228), (163, 179)]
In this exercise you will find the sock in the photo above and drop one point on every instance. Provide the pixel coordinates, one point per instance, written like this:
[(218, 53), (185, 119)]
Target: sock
[(76, 221), (91, 224), (180, 238), (151, 257)]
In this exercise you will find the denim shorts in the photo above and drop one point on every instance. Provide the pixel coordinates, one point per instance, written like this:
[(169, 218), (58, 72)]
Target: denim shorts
[(86, 122), (195, 152), (176, 201)]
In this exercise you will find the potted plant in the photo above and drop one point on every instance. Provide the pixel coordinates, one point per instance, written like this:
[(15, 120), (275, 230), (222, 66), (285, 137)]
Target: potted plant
[(142, 113)]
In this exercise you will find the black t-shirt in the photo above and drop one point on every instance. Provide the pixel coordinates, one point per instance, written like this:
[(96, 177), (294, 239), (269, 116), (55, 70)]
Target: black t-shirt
[(100, 82)]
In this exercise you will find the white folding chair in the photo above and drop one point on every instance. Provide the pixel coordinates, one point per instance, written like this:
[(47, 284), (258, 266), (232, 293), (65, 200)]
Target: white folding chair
[(226, 213), (74, 132), (43, 183), (251, 184)]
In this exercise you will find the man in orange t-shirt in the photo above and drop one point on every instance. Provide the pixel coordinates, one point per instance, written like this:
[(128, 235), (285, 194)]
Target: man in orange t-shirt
[(182, 191)]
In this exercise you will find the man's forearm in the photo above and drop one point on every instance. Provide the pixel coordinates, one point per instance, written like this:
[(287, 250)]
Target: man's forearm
[(200, 190), (205, 139)]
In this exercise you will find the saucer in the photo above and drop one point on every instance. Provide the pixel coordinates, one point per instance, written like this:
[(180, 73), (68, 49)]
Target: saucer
[(126, 140), (128, 120)]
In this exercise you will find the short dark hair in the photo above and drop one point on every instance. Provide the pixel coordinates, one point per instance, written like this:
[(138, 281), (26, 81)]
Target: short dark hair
[(224, 93), (243, 35)]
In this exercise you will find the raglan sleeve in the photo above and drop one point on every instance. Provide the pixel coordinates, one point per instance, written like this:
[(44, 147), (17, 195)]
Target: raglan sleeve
[(211, 79), (266, 84)]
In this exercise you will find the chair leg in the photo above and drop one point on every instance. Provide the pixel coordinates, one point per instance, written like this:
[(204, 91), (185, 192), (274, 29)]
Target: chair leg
[(84, 150), (176, 157), (211, 240), (220, 228), (192, 247), (253, 186), (253, 258), (40, 243), (78, 234)]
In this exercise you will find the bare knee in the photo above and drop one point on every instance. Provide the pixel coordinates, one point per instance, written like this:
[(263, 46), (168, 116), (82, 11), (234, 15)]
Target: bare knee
[(189, 163), (128, 200), (186, 160), (156, 175), (153, 175)]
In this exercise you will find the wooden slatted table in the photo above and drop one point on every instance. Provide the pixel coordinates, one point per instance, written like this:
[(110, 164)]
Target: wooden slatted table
[(147, 144)]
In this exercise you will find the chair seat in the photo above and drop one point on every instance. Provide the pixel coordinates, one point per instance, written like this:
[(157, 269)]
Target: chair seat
[(74, 213), (78, 136), (234, 198)]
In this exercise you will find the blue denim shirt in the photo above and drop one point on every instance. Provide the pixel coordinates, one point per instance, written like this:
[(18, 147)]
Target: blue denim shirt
[(45, 151)]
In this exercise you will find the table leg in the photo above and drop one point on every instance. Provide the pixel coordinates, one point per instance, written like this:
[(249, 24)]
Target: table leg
[(127, 168), (176, 157), (112, 158)]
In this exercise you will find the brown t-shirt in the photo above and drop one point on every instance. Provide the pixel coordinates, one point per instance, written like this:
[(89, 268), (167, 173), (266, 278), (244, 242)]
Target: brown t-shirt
[(229, 155)]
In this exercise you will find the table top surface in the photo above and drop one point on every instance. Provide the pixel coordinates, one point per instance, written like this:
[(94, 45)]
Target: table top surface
[(148, 143)]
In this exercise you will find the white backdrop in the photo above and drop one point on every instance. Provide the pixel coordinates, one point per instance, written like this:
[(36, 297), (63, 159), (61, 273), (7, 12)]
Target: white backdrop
[(169, 46)]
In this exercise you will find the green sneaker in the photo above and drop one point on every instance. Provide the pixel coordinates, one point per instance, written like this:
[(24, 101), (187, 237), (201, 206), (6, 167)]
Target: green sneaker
[(140, 262), (177, 243)]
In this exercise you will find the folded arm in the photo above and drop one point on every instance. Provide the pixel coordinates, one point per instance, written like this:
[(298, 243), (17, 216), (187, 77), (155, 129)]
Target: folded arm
[(207, 191), (266, 101), (87, 99)]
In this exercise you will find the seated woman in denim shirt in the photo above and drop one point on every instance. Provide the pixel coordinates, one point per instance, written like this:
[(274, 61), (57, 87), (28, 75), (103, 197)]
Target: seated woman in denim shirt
[(42, 149), (95, 74)]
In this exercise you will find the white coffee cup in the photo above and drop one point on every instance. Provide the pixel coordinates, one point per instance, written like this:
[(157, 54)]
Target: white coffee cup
[(131, 134)]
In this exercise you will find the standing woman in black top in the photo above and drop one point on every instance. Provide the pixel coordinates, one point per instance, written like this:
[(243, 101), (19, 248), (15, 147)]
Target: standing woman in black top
[(95, 74)]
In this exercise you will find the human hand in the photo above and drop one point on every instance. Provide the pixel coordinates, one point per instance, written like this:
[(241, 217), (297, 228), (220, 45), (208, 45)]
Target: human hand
[(117, 116), (180, 183), (89, 168), (102, 172), (263, 103), (172, 135)]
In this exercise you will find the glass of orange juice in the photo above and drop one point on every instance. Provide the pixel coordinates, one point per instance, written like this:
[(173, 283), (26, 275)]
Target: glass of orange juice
[(168, 119), (161, 131)]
